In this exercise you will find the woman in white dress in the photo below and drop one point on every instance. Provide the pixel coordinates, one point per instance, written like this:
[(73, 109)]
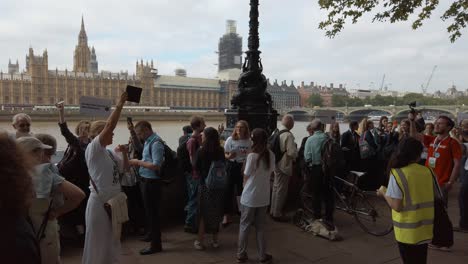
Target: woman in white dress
[(105, 167)]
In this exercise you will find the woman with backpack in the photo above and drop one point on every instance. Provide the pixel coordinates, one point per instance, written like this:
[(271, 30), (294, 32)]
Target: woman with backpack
[(210, 200), (236, 148), (73, 167), (256, 195)]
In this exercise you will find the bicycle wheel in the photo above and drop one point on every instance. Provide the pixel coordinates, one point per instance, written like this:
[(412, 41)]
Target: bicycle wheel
[(340, 201), (373, 213)]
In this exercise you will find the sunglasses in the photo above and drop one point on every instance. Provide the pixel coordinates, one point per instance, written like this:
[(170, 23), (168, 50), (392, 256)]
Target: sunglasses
[(24, 125)]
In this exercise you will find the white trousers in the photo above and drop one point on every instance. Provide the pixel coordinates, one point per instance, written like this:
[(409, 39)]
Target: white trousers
[(100, 246)]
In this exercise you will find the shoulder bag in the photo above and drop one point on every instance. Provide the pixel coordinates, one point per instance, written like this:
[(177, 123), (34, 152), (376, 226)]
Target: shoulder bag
[(443, 229)]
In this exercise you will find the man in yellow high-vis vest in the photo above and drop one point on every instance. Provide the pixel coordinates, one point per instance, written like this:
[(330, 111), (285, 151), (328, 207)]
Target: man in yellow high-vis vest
[(410, 194)]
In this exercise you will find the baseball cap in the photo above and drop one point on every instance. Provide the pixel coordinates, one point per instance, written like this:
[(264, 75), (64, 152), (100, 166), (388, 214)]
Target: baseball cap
[(30, 144)]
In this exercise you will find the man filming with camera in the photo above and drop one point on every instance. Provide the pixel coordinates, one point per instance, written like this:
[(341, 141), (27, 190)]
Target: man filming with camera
[(443, 153)]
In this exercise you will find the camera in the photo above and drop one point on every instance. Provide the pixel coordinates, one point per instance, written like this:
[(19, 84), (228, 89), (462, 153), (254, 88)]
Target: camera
[(412, 106)]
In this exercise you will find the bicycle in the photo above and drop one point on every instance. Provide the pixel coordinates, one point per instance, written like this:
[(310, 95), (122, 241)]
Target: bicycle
[(372, 212)]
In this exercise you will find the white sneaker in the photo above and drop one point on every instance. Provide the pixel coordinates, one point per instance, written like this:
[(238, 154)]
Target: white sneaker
[(198, 245), (215, 244)]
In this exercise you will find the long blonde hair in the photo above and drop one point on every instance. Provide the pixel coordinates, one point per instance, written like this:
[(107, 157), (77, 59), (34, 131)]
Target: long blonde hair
[(362, 126), (246, 134), (96, 128)]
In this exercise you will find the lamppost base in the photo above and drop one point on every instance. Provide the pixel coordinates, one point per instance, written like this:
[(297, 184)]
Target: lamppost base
[(256, 118)]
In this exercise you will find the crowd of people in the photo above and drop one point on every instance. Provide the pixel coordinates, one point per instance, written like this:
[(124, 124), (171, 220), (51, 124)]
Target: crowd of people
[(94, 189)]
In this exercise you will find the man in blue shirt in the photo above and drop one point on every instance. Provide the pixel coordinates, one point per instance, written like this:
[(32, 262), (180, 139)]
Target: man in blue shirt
[(316, 182), (149, 169)]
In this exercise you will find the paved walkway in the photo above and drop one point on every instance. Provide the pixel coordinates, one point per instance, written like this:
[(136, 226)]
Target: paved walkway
[(288, 244)]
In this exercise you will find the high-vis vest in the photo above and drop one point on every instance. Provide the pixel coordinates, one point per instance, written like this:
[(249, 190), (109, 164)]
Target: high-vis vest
[(414, 223)]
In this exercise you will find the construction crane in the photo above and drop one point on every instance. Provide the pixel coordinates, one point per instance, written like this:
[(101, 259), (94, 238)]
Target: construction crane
[(382, 84), (424, 88)]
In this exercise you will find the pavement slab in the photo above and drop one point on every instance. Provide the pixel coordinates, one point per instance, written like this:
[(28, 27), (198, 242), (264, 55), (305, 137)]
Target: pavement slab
[(287, 244)]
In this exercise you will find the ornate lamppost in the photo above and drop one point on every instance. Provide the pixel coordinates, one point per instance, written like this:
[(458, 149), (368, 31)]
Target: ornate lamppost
[(252, 102)]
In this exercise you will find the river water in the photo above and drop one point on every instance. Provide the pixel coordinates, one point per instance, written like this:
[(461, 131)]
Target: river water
[(170, 131)]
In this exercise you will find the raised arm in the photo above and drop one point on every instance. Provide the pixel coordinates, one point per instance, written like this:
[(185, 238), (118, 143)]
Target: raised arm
[(108, 131), (137, 145), (66, 133)]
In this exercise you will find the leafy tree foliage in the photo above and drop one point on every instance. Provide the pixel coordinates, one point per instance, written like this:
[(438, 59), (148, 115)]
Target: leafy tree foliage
[(394, 11), (315, 100)]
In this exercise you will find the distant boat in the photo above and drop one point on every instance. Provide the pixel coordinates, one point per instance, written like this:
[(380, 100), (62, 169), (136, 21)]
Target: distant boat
[(374, 118)]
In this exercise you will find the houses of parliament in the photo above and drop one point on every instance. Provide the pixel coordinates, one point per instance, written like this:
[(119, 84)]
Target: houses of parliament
[(39, 85)]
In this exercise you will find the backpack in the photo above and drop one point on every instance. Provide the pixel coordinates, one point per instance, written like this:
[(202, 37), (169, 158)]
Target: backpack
[(275, 144), (332, 158), (217, 175), (183, 156), (169, 168)]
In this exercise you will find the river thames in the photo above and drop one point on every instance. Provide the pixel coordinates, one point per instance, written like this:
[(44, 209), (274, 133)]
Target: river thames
[(170, 131)]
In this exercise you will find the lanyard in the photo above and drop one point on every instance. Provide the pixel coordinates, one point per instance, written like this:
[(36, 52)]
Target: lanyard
[(438, 145)]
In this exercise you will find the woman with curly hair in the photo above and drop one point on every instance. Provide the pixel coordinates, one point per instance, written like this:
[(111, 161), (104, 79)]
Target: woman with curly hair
[(73, 167), (18, 242)]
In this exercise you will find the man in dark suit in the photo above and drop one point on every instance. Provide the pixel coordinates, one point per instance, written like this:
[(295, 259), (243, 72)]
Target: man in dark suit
[(350, 147)]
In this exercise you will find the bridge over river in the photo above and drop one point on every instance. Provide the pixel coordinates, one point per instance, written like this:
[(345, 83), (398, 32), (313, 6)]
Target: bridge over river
[(358, 112)]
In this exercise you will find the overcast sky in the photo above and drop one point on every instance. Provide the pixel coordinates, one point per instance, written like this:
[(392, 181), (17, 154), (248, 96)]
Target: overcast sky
[(185, 33)]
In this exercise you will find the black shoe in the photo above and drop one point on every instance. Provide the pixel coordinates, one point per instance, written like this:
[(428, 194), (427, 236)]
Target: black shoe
[(150, 250), (267, 259), (189, 229), (146, 239), (242, 259), (225, 225), (281, 219)]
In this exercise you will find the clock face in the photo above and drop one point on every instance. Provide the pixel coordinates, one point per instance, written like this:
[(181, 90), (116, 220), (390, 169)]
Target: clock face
[(237, 59)]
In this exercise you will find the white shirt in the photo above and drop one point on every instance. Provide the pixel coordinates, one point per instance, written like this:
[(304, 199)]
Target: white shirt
[(241, 147), (393, 190), (256, 191), (102, 170)]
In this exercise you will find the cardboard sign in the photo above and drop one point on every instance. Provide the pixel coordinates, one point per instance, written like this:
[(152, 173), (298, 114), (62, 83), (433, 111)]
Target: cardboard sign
[(134, 94), (93, 106)]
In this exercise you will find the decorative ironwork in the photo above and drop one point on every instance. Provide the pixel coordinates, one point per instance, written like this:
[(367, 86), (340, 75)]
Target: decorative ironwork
[(252, 83), (252, 102)]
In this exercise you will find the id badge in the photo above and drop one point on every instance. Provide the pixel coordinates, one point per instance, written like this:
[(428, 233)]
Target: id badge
[(432, 162), (424, 155)]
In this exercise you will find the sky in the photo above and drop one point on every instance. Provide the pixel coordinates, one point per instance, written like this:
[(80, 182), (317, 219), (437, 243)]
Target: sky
[(185, 34)]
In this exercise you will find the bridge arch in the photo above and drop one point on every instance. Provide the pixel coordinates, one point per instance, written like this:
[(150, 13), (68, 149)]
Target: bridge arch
[(359, 114), (432, 112)]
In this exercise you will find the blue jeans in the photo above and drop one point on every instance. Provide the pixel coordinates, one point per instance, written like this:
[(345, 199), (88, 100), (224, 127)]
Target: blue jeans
[(463, 201), (192, 204)]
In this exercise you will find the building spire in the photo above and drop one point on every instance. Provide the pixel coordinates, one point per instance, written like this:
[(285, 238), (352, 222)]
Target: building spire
[(82, 23), (82, 37)]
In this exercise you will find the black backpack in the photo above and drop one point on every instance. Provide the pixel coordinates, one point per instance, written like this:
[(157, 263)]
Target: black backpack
[(333, 163), (274, 144), (169, 168), (183, 156)]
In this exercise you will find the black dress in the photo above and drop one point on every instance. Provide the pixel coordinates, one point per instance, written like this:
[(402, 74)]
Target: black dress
[(210, 202)]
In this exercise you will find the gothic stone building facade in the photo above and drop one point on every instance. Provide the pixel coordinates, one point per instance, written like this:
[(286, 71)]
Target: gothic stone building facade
[(38, 85)]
